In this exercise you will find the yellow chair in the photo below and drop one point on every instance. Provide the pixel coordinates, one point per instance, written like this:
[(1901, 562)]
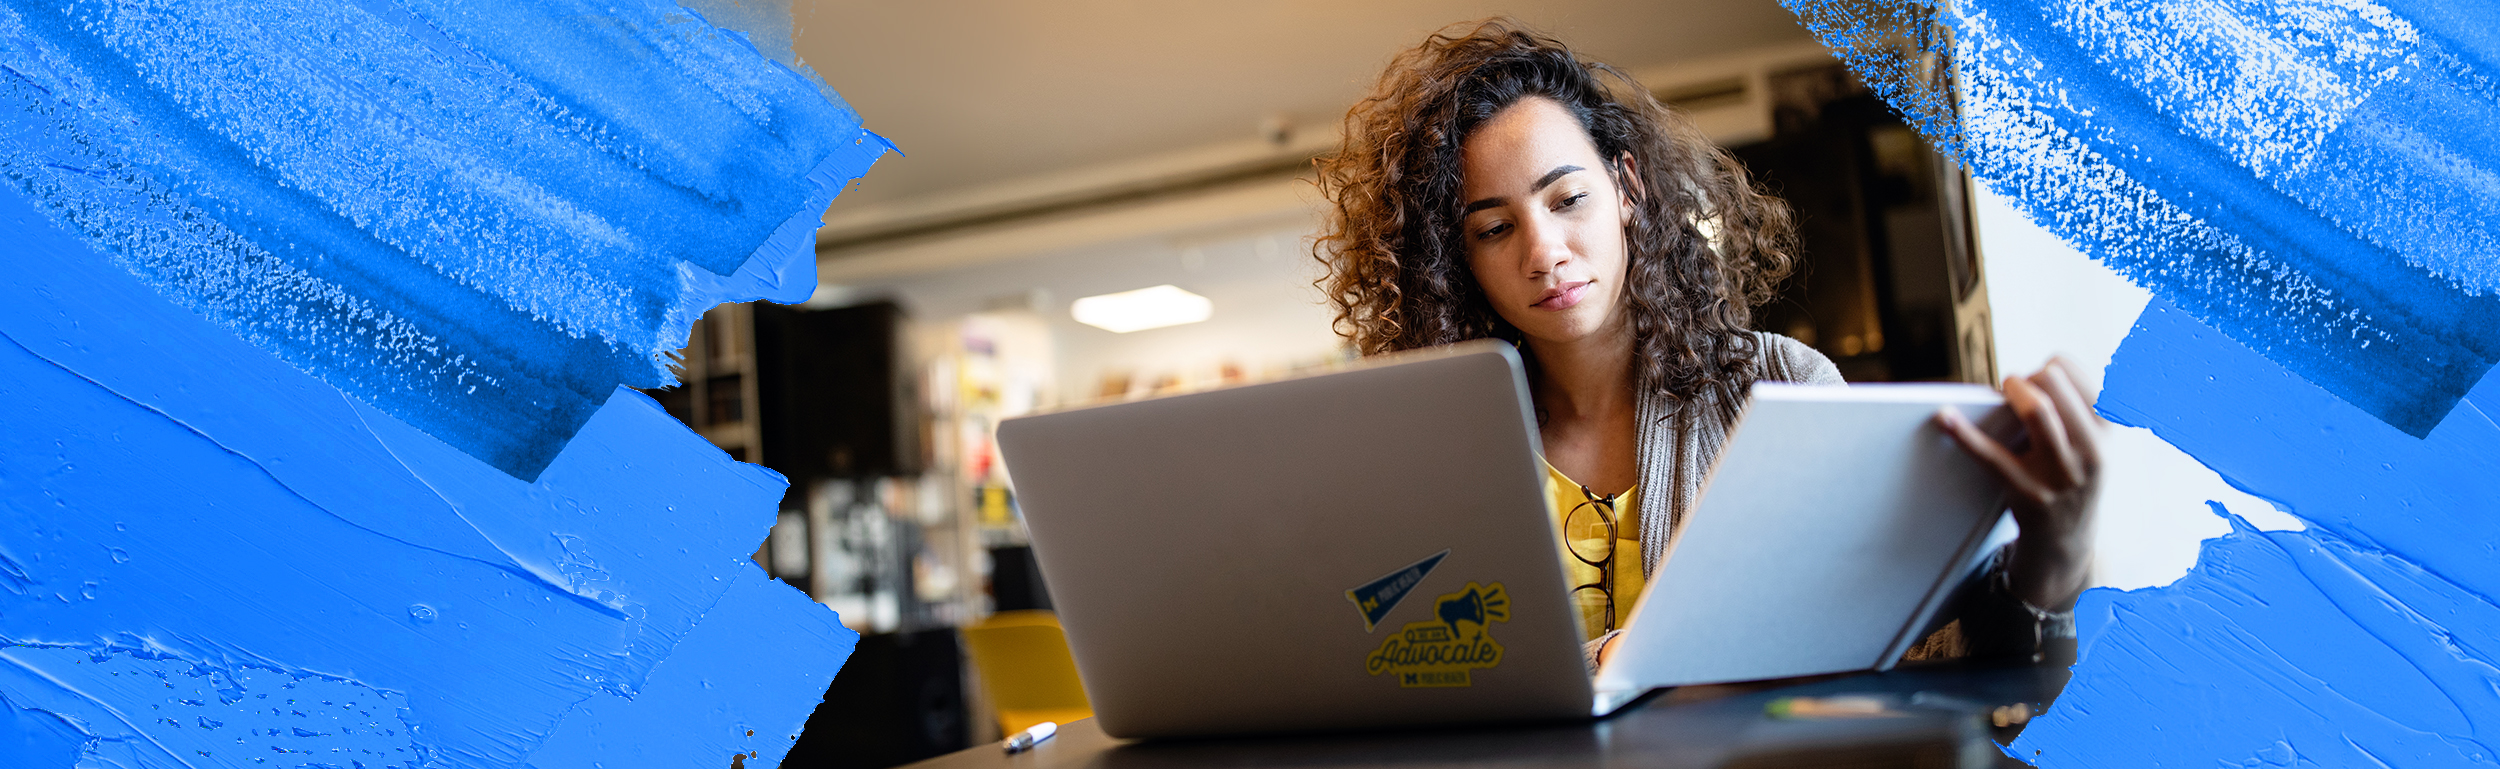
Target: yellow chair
[(1023, 661)]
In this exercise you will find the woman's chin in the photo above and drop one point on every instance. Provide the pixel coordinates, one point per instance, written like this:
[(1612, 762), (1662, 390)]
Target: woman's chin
[(1562, 334)]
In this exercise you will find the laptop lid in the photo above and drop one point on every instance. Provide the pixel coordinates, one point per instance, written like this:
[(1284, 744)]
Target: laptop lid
[(1368, 547)]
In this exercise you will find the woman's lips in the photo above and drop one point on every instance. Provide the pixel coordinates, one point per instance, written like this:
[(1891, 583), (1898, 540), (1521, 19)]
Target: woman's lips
[(1564, 296)]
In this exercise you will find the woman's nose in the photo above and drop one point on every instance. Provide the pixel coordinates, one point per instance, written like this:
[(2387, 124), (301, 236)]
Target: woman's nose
[(1547, 247)]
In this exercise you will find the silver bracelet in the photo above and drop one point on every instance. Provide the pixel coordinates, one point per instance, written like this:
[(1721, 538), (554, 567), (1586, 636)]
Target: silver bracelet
[(2045, 625)]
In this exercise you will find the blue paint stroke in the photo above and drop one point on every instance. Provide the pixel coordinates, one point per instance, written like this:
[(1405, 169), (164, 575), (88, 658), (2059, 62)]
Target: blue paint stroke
[(2372, 638), (209, 716), (2307, 187), (767, 25), (172, 496), (740, 654), (2318, 180), (318, 340), (480, 217)]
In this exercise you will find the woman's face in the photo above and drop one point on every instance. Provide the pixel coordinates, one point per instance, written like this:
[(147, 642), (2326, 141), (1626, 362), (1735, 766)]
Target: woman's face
[(1544, 223)]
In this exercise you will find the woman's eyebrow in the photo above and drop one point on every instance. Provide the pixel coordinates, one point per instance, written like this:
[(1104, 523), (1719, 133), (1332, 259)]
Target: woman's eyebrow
[(1550, 176), (1541, 183)]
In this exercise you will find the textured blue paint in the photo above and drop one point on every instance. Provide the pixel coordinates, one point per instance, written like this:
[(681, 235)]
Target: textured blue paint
[(480, 217), (2308, 187), (171, 492), (2370, 638), (2315, 179), (142, 710), (742, 654), (767, 25), (251, 512)]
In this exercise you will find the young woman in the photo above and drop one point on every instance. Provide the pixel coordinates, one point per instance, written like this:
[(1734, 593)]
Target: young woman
[(1496, 185)]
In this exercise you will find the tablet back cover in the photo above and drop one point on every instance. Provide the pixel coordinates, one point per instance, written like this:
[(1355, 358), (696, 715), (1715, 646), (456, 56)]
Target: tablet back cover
[(1834, 520)]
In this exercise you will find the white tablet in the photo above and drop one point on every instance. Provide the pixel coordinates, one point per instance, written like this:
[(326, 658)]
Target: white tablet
[(1834, 526)]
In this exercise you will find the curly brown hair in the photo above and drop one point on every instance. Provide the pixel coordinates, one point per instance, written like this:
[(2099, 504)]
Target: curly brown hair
[(1398, 271)]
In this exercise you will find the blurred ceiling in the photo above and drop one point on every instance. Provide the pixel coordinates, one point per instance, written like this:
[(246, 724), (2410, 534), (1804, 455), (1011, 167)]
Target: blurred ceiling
[(980, 92)]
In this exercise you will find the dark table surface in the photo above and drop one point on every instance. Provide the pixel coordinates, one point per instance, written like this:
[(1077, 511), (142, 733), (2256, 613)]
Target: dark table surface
[(1946, 715)]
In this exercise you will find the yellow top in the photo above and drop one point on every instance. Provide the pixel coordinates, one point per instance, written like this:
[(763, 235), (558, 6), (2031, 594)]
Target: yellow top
[(1562, 494)]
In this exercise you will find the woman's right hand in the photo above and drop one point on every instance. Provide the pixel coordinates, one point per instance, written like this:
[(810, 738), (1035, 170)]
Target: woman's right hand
[(2050, 484)]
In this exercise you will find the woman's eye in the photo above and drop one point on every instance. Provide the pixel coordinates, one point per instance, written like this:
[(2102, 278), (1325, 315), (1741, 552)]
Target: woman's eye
[(1570, 201), (1496, 230)]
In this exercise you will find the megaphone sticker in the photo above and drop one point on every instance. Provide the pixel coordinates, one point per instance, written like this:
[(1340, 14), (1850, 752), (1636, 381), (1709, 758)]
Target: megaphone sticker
[(1442, 651)]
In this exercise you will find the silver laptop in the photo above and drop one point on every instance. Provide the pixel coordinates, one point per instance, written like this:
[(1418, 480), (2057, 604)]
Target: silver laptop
[(1371, 547)]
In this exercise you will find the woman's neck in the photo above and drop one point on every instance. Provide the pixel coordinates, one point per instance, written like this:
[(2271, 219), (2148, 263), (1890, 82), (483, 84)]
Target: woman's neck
[(1587, 408), (1583, 379)]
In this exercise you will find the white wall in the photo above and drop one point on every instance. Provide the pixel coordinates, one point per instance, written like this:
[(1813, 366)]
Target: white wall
[(2046, 298)]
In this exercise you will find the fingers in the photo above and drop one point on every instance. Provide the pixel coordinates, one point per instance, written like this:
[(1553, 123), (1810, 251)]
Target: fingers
[(2074, 376), (1991, 453), (2048, 431), (2059, 380)]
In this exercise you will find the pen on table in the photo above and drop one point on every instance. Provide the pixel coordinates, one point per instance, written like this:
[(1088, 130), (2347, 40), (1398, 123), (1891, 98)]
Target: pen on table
[(1025, 740)]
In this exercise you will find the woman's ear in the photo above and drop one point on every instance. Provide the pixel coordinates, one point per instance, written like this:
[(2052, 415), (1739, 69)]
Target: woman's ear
[(1628, 190)]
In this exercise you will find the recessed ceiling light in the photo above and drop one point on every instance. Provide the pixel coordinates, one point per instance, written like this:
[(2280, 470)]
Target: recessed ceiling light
[(1142, 309)]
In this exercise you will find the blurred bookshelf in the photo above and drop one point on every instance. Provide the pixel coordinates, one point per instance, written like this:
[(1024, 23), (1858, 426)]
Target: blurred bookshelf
[(898, 506), (1888, 283)]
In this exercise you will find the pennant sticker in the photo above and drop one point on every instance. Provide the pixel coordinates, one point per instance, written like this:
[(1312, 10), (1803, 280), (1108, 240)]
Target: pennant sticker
[(1377, 597)]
